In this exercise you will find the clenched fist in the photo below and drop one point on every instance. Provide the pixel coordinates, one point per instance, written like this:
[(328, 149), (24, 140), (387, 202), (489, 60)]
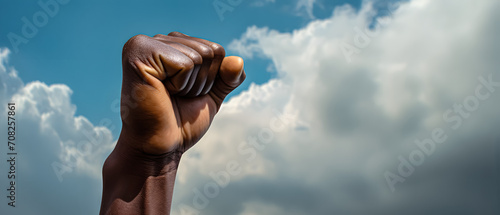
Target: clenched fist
[(178, 83), (173, 85)]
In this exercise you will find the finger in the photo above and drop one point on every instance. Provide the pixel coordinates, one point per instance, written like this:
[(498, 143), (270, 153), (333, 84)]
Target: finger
[(197, 83), (230, 76), (150, 57), (200, 79), (186, 50), (219, 54), (182, 83), (204, 50)]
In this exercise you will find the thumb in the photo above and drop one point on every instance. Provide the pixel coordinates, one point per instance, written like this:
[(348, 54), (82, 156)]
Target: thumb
[(231, 71), (230, 76)]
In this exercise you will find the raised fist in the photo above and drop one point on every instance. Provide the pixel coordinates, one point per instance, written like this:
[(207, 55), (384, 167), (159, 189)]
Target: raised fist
[(172, 88), (173, 85)]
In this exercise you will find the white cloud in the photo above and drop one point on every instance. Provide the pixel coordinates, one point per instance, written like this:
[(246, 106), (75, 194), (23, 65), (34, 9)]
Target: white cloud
[(307, 6), (348, 122), (82, 144), (9, 80), (60, 154)]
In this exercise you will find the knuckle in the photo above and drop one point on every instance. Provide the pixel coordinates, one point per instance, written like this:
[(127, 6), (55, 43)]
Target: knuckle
[(218, 50), (206, 52), (174, 33), (130, 53), (196, 57), (135, 41), (186, 65), (138, 38), (159, 35)]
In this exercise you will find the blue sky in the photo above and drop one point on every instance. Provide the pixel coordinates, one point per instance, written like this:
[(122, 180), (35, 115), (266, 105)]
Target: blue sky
[(81, 45), (339, 99)]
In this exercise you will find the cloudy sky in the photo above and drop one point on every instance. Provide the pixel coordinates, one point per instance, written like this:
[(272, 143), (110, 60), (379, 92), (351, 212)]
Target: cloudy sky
[(350, 107)]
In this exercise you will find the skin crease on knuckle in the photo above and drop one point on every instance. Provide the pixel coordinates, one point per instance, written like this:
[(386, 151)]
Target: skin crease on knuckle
[(205, 51), (201, 80), (219, 54), (185, 49), (217, 49)]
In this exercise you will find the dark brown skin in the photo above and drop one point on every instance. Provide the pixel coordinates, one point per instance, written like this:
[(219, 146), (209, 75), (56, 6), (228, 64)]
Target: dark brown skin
[(173, 85)]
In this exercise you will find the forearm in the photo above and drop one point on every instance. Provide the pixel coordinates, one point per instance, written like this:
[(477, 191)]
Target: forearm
[(138, 183)]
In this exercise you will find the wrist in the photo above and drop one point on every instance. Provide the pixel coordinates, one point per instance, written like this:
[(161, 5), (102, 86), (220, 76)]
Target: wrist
[(136, 182), (132, 160)]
